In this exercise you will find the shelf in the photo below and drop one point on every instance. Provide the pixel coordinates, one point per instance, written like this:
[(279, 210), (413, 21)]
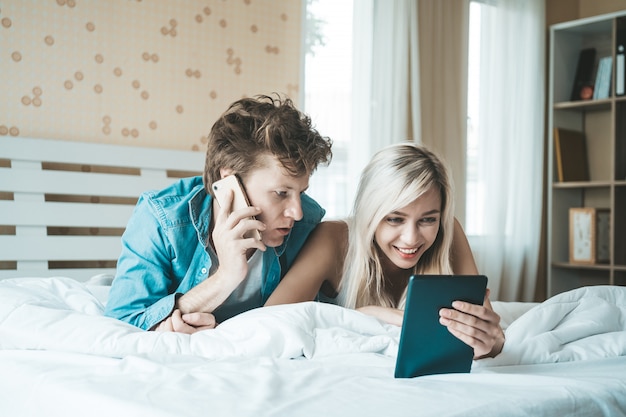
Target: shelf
[(598, 267), (582, 184), (584, 105), (603, 124)]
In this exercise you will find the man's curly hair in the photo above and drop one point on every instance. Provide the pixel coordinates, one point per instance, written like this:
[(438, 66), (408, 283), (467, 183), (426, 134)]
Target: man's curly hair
[(264, 125)]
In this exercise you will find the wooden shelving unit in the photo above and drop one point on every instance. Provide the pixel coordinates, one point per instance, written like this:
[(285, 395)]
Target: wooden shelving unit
[(604, 125)]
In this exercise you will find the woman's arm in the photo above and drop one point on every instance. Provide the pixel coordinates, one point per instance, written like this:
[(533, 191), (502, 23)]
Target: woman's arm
[(478, 326), (321, 259), (462, 257), (387, 314)]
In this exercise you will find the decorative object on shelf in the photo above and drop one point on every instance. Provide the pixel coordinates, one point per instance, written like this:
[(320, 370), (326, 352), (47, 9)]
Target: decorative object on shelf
[(586, 92), (570, 150), (603, 243), (602, 86), (589, 235), (583, 81)]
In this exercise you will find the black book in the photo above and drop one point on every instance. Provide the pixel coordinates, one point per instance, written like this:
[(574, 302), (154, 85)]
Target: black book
[(584, 73)]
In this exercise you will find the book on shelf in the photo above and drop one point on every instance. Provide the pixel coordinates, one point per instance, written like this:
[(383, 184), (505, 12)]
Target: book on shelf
[(620, 51), (583, 80), (602, 85), (570, 150)]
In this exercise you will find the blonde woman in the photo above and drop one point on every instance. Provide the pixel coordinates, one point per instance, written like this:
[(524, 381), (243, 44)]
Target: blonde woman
[(402, 224)]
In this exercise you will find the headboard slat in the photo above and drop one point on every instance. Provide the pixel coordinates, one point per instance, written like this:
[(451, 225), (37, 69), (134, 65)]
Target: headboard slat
[(65, 214), (73, 152), (78, 274), (55, 248), (64, 204), (79, 183)]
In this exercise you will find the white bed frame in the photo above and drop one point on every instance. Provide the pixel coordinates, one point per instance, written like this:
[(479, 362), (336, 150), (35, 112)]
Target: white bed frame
[(64, 204)]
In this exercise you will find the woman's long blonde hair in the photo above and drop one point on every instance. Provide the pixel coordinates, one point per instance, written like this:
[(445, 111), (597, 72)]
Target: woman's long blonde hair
[(394, 178)]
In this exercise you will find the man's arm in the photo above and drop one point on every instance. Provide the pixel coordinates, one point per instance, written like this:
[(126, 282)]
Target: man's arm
[(186, 323), (232, 250), (140, 294)]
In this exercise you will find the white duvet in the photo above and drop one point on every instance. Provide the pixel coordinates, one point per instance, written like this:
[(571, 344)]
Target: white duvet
[(61, 314), (60, 357)]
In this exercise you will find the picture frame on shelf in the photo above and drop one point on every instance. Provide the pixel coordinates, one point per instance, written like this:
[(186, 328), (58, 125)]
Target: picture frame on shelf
[(589, 239)]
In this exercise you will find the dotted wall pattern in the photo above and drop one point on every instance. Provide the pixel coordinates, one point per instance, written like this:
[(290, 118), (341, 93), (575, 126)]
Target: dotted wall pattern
[(140, 73)]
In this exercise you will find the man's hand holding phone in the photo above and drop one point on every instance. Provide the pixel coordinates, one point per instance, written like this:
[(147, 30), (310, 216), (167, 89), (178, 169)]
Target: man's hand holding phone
[(193, 310), (236, 230), (239, 201)]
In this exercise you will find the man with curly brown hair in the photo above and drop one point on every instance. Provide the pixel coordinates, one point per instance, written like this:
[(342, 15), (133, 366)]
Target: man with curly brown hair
[(188, 263)]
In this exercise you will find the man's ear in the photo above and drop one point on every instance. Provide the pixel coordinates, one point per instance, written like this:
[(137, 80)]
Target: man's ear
[(225, 172)]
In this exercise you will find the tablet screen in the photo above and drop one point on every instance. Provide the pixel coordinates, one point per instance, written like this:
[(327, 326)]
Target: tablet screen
[(426, 346)]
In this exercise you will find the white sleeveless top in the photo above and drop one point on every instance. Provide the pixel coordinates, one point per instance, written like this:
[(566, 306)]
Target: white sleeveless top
[(247, 295)]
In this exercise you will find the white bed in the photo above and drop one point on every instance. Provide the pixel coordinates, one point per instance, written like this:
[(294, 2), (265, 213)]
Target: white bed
[(59, 356)]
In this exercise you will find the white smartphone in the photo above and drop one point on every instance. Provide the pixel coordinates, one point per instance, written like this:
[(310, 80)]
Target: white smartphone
[(240, 198)]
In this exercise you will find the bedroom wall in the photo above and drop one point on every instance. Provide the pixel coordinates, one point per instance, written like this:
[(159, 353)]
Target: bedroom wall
[(558, 11), (141, 73)]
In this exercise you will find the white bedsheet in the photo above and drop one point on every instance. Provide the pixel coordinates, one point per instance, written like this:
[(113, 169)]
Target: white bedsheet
[(60, 356), (583, 324)]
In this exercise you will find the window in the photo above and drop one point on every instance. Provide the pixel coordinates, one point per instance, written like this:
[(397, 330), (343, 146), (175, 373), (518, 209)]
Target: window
[(475, 191), (328, 96)]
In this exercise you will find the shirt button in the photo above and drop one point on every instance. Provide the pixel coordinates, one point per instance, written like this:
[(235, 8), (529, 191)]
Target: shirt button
[(203, 270)]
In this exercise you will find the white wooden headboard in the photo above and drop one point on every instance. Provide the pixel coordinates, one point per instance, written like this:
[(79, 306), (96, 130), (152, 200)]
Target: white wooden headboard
[(64, 204)]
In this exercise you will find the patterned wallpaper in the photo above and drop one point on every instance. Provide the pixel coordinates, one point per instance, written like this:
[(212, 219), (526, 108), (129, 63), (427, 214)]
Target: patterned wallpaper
[(153, 73)]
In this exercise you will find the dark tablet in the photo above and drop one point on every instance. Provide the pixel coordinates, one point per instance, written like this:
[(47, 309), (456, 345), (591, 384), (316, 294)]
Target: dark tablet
[(426, 346)]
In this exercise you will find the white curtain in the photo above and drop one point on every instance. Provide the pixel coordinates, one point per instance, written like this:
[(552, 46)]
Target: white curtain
[(443, 33), (388, 107), (385, 86), (511, 132)]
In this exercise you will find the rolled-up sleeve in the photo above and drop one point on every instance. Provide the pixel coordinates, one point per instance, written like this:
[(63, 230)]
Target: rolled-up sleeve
[(142, 291)]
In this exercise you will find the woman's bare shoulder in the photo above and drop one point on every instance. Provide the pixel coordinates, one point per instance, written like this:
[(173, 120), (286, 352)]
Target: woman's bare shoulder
[(333, 232), (334, 226), (328, 239), (333, 243)]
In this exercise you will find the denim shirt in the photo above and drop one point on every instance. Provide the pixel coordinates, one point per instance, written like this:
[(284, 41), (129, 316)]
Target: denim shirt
[(164, 252)]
